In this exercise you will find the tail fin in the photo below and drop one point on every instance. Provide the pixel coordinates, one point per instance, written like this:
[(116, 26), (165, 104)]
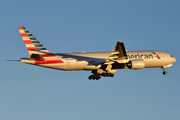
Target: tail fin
[(32, 44)]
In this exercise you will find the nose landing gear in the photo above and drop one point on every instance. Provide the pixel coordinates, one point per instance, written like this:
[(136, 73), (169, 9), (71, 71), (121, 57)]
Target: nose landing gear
[(164, 72)]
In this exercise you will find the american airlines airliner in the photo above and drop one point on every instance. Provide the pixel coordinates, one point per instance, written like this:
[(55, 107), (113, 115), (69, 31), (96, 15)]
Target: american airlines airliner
[(99, 63)]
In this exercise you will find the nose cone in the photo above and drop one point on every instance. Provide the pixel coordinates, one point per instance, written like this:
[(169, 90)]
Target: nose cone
[(173, 59)]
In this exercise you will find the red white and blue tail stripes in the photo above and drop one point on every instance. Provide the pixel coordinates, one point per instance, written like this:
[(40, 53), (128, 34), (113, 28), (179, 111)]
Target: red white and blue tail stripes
[(35, 47), (32, 44)]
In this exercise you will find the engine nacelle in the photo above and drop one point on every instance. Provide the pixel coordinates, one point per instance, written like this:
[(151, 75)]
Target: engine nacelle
[(136, 64)]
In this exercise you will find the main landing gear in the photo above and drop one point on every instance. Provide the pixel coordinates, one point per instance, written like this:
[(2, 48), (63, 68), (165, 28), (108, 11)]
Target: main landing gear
[(98, 76), (164, 72)]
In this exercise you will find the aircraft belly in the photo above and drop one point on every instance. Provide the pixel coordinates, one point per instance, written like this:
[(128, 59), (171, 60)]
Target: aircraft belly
[(59, 66), (76, 65), (154, 63), (91, 67)]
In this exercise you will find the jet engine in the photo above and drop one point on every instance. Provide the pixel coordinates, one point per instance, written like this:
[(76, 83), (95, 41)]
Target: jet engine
[(136, 64)]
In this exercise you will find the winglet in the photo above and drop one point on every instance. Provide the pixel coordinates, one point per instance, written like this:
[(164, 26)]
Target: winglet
[(119, 52)]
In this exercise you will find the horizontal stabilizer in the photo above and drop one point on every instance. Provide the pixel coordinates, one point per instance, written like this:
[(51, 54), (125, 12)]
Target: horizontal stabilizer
[(14, 60), (37, 57)]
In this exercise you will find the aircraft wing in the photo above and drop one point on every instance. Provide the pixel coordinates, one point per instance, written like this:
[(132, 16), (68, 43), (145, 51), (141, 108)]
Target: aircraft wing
[(118, 55), (115, 60), (96, 62)]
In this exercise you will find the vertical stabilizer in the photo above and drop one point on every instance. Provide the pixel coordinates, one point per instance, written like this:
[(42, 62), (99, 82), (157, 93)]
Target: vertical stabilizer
[(32, 44)]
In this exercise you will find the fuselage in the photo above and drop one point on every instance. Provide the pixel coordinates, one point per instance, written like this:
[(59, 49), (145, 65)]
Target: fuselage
[(82, 61)]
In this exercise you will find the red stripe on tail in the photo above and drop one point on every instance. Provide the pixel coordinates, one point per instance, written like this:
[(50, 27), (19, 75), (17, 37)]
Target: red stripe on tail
[(24, 35), (32, 49), (20, 28), (28, 42)]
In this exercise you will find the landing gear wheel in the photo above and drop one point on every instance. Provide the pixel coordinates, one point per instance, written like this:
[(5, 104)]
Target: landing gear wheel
[(91, 77), (104, 74), (112, 75), (94, 77), (98, 77), (164, 72), (108, 74)]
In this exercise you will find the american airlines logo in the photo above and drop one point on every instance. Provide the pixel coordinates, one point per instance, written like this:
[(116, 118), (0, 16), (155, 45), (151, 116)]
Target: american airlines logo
[(156, 55), (143, 56)]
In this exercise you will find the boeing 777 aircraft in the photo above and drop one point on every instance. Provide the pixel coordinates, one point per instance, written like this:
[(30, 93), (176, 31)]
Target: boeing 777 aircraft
[(99, 63)]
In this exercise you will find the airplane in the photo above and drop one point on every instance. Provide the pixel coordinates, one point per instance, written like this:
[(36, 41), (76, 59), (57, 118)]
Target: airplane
[(100, 64)]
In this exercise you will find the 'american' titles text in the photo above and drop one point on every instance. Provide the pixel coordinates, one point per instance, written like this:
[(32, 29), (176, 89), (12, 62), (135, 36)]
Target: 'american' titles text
[(140, 56)]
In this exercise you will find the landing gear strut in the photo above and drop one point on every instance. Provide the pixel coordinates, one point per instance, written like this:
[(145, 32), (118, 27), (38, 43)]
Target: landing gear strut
[(164, 72)]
